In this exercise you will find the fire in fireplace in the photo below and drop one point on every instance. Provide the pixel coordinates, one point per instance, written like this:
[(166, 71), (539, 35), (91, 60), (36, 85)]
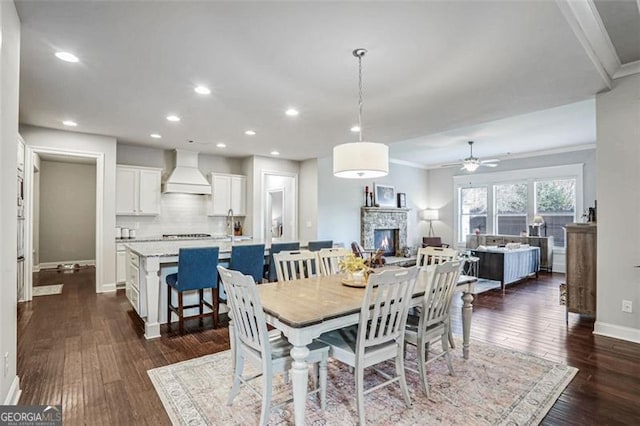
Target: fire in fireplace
[(387, 240)]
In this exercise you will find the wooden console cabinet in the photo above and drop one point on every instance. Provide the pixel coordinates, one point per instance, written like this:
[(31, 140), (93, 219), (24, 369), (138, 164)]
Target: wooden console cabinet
[(581, 268)]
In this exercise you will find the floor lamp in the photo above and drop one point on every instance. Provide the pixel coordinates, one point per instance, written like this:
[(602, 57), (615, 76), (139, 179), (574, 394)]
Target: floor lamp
[(430, 215)]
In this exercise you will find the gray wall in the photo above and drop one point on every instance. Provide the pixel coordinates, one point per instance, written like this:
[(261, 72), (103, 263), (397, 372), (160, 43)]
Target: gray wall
[(339, 201), (618, 146), (67, 212), (441, 189), (308, 204), (9, 85)]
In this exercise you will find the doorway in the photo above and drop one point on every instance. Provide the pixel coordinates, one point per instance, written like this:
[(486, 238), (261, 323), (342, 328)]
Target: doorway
[(275, 213), (279, 206), (79, 223)]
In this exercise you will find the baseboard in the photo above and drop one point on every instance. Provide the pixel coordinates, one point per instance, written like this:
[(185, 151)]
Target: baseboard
[(108, 288), (14, 392), (617, 331), (36, 268), (53, 265)]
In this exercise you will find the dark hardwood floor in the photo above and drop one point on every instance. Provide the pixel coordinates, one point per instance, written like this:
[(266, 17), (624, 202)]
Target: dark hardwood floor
[(88, 352)]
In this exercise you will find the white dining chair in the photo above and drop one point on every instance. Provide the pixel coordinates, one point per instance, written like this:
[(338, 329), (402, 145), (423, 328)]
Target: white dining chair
[(379, 334), (329, 259), (293, 265), (435, 255), (270, 353), (434, 318)]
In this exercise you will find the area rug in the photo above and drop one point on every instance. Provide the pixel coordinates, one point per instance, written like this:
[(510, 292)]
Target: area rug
[(484, 285), (496, 386), (47, 290)]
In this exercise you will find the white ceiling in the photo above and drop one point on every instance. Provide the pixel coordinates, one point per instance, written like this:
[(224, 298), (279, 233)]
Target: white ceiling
[(621, 18), (431, 67)]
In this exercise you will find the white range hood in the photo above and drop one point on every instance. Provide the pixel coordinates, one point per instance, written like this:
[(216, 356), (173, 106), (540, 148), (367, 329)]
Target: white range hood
[(186, 178)]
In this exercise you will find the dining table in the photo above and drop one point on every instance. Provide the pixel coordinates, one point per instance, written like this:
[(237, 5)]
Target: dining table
[(303, 309)]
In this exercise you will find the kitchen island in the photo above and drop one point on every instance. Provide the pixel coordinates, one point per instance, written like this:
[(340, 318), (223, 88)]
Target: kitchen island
[(148, 263)]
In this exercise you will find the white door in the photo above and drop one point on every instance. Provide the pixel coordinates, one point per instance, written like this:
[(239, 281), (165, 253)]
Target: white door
[(126, 190), (149, 193)]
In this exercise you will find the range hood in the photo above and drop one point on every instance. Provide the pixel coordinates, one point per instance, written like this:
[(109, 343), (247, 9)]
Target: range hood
[(186, 178)]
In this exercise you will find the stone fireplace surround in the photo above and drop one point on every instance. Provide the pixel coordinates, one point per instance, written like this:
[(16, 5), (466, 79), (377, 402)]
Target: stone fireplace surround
[(372, 218)]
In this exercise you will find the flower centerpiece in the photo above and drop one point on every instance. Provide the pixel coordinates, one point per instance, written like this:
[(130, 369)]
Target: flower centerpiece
[(354, 266)]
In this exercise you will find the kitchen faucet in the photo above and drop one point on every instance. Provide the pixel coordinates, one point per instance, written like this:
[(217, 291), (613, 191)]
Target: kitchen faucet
[(230, 224)]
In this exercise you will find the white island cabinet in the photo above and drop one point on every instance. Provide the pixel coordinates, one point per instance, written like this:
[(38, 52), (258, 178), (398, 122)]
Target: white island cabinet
[(228, 192), (138, 191), (149, 263)]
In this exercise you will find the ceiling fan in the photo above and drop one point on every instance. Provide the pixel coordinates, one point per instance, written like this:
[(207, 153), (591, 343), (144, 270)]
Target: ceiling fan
[(472, 163)]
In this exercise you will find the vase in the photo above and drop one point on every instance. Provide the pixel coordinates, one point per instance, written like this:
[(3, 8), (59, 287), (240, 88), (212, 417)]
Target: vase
[(357, 277)]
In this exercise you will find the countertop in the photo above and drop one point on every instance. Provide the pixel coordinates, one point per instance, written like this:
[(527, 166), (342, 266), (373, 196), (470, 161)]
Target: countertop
[(161, 238), (172, 247)]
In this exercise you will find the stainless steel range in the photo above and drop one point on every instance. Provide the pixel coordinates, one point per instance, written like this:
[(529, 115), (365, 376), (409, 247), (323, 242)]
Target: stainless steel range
[(184, 236)]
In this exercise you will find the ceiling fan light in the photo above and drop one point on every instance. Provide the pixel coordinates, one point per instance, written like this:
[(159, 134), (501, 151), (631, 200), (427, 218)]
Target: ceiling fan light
[(471, 167), (361, 160)]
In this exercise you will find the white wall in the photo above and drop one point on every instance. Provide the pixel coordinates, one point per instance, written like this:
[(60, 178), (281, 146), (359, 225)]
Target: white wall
[(9, 85), (339, 201), (618, 161), (179, 213), (51, 139), (308, 200), (441, 190), (67, 228)]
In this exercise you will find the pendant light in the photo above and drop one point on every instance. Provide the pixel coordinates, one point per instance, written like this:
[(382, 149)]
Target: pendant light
[(360, 160)]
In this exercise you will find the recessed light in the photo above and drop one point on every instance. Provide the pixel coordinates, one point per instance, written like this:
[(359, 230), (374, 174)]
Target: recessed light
[(173, 118), (70, 123), (250, 133), (355, 129), (275, 153), (155, 136), (67, 57), (221, 145), (202, 90), (292, 112)]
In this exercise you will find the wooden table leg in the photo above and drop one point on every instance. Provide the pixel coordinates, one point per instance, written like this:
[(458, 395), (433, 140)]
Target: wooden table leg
[(467, 309), (299, 379)]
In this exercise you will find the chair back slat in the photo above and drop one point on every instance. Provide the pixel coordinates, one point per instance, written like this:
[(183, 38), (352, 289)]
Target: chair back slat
[(293, 265), (197, 268), (435, 255), (246, 311), (383, 314), (329, 259), (436, 303)]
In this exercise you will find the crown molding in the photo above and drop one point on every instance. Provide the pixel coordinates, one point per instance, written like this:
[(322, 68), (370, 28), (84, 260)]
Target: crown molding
[(587, 25), (628, 68)]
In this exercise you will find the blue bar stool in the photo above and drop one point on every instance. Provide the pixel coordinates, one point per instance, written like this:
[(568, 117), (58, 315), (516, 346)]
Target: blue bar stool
[(317, 245), (277, 248), (197, 270), (249, 260)]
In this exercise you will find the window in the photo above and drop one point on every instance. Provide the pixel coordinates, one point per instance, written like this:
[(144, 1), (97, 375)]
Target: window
[(556, 203), (473, 210), (511, 208)]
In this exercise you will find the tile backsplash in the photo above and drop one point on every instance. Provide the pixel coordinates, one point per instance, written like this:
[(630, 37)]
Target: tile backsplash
[(179, 214)]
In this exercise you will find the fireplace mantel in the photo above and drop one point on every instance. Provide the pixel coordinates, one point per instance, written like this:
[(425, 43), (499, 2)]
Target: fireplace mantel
[(372, 218)]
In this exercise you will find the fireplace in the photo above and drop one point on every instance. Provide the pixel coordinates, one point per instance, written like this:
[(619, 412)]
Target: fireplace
[(374, 219), (387, 240)]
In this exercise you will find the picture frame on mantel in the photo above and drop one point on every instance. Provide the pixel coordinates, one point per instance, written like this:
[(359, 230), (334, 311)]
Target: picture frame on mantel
[(402, 200), (385, 195)]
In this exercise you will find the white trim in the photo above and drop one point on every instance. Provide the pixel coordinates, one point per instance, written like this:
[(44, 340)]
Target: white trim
[(263, 201), (36, 268), (585, 21), (108, 288), (29, 179), (629, 68), (409, 163), (570, 171), (617, 331), (53, 265), (13, 396)]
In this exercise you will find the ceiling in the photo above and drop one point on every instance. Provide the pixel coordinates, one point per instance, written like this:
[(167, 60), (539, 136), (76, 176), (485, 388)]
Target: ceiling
[(431, 67), (622, 22), (61, 158)]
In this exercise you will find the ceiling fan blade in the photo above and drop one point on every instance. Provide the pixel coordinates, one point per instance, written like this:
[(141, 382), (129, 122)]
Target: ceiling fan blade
[(492, 160), (489, 165), (450, 164)]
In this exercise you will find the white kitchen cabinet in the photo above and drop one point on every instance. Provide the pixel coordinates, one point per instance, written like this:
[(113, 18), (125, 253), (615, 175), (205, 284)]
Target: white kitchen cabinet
[(228, 192), (138, 191), (121, 264)]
